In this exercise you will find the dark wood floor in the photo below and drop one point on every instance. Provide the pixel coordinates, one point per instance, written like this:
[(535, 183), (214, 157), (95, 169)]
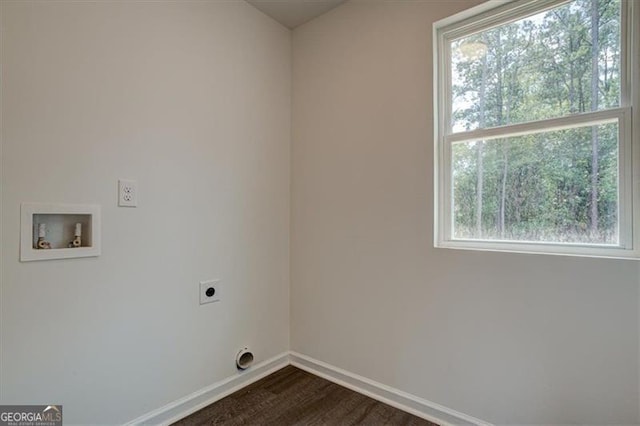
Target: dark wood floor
[(294, 397)]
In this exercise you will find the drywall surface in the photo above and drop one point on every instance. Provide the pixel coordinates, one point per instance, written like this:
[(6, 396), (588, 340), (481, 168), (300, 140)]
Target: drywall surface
[(508, 338), (191, 99)]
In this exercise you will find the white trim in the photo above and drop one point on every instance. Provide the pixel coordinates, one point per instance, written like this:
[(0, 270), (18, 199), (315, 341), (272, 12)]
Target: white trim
[(493, 13), (586, 119), (603, 252), (632, 24), (189, 404), (404, 401), (394, 397)]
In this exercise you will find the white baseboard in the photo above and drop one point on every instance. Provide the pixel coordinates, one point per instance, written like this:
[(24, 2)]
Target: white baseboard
[(189, 404), (396, 398), (420, 407)]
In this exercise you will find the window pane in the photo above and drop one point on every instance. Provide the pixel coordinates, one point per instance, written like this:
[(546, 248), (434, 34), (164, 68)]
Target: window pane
[(539, 67), (538, 187)]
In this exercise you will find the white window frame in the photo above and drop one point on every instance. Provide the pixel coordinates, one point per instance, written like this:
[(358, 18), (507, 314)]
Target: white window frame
[(494, 13)]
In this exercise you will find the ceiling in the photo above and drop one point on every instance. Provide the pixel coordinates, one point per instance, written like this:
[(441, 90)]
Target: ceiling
[(292, 13)]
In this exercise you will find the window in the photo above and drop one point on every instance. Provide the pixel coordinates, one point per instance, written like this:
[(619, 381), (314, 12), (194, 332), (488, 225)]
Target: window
[(534, 125)]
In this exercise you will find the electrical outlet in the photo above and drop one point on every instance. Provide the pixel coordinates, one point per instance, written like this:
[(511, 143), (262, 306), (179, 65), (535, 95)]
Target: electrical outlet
[(127, 193), (209, 291)]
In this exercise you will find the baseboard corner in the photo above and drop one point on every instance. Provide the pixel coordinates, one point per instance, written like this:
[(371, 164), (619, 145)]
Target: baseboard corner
[(417, 406), (404, 401)]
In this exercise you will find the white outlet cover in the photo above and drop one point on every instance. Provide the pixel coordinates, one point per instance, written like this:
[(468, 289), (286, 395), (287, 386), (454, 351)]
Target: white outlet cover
[(127, 193), (204, 285)]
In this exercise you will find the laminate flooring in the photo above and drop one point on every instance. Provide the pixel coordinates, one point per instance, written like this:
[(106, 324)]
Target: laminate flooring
[(291, 396)]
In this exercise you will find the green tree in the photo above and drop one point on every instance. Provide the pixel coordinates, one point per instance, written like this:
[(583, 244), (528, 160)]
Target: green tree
[(558, 186)]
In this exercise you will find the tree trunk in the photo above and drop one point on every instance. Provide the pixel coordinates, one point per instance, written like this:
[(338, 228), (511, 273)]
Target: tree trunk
[(572, 90), (480, 147), (503, 191), (479, 188), (501, 121), (595, 48)]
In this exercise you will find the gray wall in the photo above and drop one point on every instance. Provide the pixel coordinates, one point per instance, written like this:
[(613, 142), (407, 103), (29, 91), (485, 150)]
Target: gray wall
[(192, 99), (508, 338)]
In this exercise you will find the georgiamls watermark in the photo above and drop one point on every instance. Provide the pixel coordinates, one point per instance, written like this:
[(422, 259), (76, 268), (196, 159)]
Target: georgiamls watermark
[(30, 415)]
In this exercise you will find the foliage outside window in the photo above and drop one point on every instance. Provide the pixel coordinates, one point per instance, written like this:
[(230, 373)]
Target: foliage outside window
[(534, 128)]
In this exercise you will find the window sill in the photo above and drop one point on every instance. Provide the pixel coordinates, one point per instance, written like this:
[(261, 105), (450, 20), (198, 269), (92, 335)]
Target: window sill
[(549, 249)]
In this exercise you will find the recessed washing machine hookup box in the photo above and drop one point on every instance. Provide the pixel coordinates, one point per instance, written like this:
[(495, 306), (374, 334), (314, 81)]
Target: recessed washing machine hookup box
[(59, 231)]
